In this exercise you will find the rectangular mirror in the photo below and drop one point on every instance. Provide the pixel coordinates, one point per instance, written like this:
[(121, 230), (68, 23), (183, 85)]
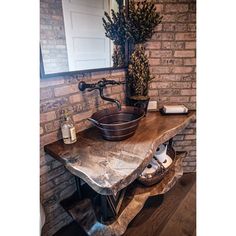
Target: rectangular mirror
[(72, 36)]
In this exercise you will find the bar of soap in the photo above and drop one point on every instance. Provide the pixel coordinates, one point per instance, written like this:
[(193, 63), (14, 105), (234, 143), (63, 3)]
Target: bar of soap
[(175, 109)]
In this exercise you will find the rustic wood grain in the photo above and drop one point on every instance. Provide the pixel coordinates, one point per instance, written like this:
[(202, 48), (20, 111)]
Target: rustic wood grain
[(109, 166), (83, 211)]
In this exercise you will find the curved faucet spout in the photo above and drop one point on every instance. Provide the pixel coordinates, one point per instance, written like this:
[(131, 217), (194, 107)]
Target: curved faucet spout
[(110, 99), (100, 85)]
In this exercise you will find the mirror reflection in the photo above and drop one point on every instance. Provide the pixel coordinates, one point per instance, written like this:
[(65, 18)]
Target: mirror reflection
[(72, 35)]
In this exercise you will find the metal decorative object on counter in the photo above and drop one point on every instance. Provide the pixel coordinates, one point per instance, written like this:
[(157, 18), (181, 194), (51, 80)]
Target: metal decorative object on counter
[(115, 123)]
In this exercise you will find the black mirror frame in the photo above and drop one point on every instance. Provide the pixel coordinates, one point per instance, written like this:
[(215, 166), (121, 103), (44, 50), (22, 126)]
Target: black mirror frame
[(71, 73)]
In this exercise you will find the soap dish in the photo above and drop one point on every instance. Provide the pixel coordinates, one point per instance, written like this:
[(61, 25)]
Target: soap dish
[(161, 110)]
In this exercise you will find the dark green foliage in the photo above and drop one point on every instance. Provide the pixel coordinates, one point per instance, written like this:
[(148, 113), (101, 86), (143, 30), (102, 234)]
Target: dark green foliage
[(115, 26), (138, 27), (118, 56), (138, 72), (141, 21)]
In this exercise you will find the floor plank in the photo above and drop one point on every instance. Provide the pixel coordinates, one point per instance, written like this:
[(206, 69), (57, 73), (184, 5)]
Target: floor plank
[(183, 221), (151, 220)]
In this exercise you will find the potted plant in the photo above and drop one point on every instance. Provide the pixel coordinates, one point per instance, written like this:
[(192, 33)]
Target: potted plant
[(138, 78), (141, 22)]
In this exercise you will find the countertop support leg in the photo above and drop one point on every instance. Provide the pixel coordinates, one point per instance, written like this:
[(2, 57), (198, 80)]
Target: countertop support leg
[(78, 186)]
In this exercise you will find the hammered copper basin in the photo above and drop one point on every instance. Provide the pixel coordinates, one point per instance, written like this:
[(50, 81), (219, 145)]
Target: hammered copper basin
[(115, 124)]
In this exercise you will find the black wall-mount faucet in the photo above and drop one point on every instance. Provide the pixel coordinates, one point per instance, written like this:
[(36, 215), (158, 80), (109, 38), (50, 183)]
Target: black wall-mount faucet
[(100, 85)]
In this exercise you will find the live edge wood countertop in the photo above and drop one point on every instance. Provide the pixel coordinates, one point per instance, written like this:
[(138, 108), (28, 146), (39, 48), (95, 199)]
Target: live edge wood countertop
[(109, 166)]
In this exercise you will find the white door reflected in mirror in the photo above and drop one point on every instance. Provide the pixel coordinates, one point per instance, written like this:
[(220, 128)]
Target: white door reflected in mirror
[(87, 45)]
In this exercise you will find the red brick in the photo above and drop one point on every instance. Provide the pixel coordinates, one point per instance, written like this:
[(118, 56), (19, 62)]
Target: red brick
[(50, 138), (181, 17), (182, 70), (153, 93), (55, 104), (182, 143), (52, 126), (192, 17), (176, 8), (153, 45), (181, 27), (76, 98), (169, 27), (191, 27), (82, 116), (192, 163), (169, 92), (187, 77), (169, 77), (187, 169), (161, 69), (193, 99), (190, 45), (159, 7), (190, 137), (178, 137), (46, 93), (192, 7), (51, 175), (188, 92), (172, 45), (190, 61), (167, 36), (154, 61), (185, 36), (44, 169), (51, 82), (179, 99), (65, 90), (153, 85), (190, 158), (161, 53), (46, 117), (163, 85), (193, 84), (188, 131), (181, 84), (169, 18), (184, 53), (119, 73), (117, 89), (172, 61), (192, 153)]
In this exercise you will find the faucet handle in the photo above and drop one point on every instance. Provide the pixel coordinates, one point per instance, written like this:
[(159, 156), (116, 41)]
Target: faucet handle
[(82, 86)]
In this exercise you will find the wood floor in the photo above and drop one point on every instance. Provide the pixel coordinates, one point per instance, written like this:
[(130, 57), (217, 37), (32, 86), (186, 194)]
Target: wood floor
[(172, 214)]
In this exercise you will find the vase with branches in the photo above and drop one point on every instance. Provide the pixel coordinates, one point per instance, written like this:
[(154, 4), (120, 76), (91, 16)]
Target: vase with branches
[(141, 23)]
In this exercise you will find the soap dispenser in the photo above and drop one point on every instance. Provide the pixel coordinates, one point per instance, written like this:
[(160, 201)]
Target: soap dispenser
[(68, 129)]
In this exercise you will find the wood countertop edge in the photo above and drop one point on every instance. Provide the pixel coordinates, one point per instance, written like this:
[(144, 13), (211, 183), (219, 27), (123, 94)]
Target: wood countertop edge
[(113, 189)]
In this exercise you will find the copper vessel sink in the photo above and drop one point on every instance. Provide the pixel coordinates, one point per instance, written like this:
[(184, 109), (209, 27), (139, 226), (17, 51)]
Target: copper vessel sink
[(117, 124)]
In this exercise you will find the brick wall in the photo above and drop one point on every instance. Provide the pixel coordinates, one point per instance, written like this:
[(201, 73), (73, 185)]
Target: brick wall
[(172, 57)]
